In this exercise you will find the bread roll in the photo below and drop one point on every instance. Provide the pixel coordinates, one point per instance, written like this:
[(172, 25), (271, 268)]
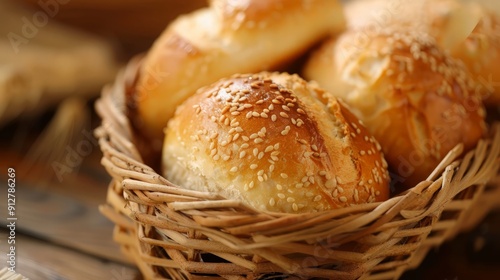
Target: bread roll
[(470, 32), (275, 142), (417, 101), (226, 38)]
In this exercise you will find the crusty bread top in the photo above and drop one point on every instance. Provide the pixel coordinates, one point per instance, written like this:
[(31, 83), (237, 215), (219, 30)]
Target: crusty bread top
[(276, 142)]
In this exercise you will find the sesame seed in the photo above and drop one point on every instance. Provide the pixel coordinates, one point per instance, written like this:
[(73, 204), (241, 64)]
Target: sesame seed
[(314, 147), (260, 178), (271, 168), (264, 115), (284, 175), (317, 198), (258, 140), (255, 114), (236, 136), (259, 102), (272, 202), (343, 199), (302, 141), (213, 152), (234, 123), (277, 146), (309, 194), (295, 207), (299, 185), (226, 158), (341, 190), (255, 152), (282, 196), (273, 118), (234, 169), (225, 109), (330, 183), (269, 148), (311, 180), (300, 111), (284, 107), (216, 157), (243, 154), (244, 145), (261, 154), (290, 199), (245, 138), (251, 185), (284, 115), (255, 84), (248, 115), (253, 166), (279, 187), (260, 173)]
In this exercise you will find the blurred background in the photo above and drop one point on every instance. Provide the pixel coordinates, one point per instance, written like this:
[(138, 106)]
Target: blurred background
[(55, 57)]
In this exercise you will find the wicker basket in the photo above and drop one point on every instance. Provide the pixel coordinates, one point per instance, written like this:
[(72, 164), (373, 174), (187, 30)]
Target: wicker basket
[(171, 232)]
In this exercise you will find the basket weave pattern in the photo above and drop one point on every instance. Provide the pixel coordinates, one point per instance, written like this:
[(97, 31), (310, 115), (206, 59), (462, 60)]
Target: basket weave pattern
[(173, 233)]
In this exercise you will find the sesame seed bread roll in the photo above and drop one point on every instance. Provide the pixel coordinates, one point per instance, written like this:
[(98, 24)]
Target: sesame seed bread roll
[(228, 37), (275, 142), (468, 30), (417, 101)]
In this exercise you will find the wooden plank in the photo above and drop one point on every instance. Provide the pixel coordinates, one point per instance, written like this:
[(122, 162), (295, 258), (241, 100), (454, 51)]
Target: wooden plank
[(63, 211), (38, 259)]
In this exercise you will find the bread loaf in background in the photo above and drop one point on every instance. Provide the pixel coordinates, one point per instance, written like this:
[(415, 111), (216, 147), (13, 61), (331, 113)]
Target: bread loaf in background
[(468, 30), (275, 142), (416, 100), (226, 38)]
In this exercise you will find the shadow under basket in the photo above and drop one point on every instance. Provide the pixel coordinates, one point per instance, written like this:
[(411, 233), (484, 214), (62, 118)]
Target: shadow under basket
[(173, 233)]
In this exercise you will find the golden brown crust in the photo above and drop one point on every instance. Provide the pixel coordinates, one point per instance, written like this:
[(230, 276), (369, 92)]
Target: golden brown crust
[(228, 37), (276, 142), (470, 32), (417, 101)]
